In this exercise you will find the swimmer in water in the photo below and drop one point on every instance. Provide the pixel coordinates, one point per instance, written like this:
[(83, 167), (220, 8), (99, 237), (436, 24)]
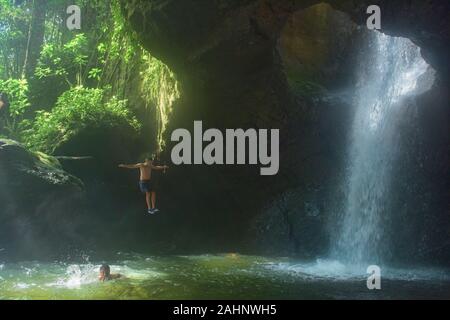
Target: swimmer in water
[(105, 274)]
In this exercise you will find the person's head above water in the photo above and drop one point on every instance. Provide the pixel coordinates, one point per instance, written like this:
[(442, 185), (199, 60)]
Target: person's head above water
[(105, 272)]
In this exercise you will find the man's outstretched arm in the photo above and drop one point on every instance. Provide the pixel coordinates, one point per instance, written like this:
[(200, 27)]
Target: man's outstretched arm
[(130, 166)]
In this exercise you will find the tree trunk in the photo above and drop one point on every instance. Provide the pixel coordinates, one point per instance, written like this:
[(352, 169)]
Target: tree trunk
[(35, 37)]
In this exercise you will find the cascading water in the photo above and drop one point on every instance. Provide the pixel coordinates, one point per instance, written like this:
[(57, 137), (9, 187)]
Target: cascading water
[(390, 71)]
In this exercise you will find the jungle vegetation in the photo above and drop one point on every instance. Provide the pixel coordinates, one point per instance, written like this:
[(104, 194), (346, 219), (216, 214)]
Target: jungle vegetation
[(61, 81)]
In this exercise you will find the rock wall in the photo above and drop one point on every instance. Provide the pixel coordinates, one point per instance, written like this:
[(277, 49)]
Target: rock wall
[(238, 63), (41, 205)]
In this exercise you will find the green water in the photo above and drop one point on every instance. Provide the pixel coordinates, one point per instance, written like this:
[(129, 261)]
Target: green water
[(227, 276)]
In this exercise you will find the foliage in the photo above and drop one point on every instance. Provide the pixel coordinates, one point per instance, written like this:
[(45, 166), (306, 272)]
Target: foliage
[(13, 37), (17, 90), (159, 86), (80, 79), (77, 109), (63, 61)]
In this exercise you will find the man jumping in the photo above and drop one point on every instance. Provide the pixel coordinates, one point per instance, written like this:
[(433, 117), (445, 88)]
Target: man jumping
[(145, 183)]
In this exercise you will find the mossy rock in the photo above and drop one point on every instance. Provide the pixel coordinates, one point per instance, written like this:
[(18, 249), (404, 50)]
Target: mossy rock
[(40, 203), (37, 164)]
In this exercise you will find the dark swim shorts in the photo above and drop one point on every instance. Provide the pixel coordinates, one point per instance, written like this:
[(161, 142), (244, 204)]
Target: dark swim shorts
[(146, 186)]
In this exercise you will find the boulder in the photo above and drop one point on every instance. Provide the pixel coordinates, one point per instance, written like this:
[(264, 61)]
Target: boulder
[(40, 203)]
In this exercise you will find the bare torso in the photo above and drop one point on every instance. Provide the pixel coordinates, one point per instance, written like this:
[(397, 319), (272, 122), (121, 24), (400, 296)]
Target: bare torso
[(146, 172)]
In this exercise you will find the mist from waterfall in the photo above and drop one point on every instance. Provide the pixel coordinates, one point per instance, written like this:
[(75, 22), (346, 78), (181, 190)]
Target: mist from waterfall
[(388, 71)]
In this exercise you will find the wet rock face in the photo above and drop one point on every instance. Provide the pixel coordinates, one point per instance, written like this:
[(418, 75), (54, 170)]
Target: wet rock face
[(39, 203), (314, 46), (423, 22), (246, 63), (231, 77), (232, 66), (181, 32)]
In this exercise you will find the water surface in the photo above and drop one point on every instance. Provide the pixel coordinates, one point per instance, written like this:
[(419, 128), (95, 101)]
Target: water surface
[(226, 276)]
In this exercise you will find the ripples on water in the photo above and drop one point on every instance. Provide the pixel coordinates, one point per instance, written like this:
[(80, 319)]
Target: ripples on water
[(228, 276)]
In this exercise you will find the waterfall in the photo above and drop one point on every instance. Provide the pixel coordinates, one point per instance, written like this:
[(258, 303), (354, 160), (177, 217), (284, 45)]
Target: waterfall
[(388, 71)]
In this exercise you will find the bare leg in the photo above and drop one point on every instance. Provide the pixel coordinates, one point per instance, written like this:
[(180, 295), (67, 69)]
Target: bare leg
[(153, 200), (147, 199)]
